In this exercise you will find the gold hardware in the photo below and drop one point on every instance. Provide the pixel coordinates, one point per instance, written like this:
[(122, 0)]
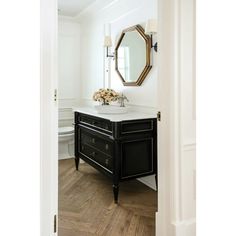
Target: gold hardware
[(159, 116), (93, 154), (55, 223), (106, 146), (55, 95)]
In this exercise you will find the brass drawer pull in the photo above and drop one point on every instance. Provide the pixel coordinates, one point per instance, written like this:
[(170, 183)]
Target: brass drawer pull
[(94, 123), (107, 147), (93, 154)]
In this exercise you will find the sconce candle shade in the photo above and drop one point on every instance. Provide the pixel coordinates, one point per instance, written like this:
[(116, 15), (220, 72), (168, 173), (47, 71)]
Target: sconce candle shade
[(107, 41), (151, 26)]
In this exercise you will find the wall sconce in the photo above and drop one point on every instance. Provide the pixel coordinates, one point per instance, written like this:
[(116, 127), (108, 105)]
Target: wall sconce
[(108, 44), (151, 28)]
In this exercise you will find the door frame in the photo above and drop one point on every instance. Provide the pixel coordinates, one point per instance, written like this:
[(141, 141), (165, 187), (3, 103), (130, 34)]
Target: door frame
[(169, 129), (48, 117), (174, 17)]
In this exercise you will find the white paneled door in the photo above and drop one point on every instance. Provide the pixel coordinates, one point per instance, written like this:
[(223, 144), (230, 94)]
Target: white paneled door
[(49, 118)]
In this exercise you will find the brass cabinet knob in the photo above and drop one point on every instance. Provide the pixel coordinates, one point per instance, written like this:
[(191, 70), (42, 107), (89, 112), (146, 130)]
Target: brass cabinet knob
[(93, 154), (106, 146)]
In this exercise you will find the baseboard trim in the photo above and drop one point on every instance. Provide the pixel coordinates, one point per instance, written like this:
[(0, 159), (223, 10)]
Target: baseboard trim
[(184, 228), (65, 157), (147, 183)]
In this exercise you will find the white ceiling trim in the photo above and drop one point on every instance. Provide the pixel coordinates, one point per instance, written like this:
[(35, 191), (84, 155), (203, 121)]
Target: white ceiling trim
[(72, 8)]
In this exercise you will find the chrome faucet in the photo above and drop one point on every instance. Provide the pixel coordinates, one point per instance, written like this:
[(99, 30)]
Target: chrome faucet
[(121, 100)]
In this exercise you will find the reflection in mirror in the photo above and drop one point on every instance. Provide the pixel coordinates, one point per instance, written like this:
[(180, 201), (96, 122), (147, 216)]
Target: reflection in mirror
[(133, 56), (131, 52)]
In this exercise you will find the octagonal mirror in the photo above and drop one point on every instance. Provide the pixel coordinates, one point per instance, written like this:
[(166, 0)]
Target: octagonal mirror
[(132, 55)]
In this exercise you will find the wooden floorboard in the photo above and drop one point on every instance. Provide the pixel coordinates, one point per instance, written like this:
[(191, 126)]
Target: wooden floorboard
[(86, 206)]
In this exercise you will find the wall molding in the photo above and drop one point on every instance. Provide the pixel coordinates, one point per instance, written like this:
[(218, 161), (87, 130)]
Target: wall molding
[(65, 113), (93, 8), (67, 18), (72, 99), (189, 146), (184, 228)]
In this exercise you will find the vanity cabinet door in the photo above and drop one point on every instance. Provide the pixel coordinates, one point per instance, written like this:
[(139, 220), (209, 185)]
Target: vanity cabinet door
[(136, 158)]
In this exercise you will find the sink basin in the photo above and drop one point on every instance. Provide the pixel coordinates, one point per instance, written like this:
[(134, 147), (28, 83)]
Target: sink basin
[(109, 109)]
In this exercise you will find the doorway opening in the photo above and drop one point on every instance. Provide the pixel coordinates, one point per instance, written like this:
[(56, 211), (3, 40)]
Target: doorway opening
[(85, 197)]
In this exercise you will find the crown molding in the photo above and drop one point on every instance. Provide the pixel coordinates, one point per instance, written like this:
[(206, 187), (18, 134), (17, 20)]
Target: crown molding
[(66, 18)]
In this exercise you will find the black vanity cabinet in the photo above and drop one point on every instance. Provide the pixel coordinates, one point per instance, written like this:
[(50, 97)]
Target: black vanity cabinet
[(122, 150)]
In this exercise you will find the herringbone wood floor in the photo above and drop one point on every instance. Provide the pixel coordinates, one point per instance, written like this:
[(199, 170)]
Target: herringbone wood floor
[(86, 205)]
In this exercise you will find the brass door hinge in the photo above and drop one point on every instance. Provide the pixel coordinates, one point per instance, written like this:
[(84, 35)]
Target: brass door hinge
[(159, 116), (55, 223), (55, 95)]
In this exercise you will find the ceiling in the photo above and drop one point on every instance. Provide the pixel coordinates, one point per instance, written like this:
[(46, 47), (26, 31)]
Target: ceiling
[(73, 7)]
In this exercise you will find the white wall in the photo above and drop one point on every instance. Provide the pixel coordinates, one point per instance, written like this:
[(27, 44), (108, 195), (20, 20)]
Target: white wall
[(68, 68), (119, 15)]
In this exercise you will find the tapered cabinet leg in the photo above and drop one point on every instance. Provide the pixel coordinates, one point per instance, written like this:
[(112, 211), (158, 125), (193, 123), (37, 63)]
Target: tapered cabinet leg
[(156, 180), (116, 193), (77, 163)]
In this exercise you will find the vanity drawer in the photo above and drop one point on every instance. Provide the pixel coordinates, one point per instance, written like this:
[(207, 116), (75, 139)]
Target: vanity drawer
[(136, 126), (95, 122), (98, 143), (97, 156)]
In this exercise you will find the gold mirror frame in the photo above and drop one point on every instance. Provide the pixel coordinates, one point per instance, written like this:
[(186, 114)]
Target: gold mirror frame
[(147, 67)]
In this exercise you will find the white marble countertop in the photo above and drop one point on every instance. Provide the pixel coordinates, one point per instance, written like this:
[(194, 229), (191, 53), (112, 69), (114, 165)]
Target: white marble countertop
[(130, 115)]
